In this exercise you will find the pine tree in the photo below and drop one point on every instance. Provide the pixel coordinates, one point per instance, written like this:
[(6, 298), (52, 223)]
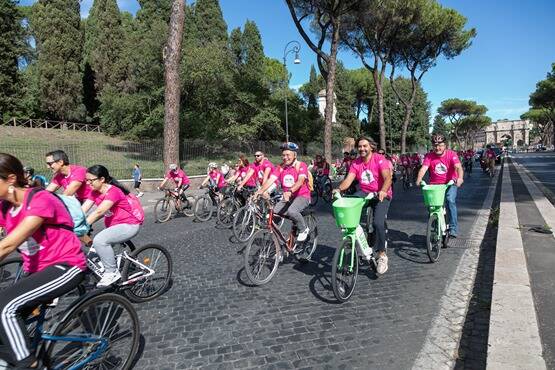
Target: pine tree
[(56, 24), (11, 41), (253, 54), (103, 43), (210, 22)]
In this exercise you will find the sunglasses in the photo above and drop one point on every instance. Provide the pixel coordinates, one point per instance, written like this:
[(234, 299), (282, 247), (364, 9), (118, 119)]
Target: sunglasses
[(258, 155), (49, 164)]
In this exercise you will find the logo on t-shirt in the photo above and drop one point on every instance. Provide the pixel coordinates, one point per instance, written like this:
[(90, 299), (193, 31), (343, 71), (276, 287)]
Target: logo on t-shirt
[(440, 169), (30, 247), (288, 181), (367, 177)]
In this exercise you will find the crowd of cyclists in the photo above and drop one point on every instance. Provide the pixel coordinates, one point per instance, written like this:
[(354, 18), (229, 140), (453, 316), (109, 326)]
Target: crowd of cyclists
[(40, 226)]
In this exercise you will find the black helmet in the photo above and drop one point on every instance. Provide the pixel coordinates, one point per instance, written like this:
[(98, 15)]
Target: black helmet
[(438, 139), (29, 170)]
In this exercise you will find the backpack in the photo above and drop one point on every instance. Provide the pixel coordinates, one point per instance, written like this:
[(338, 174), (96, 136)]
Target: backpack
[(136, 207), (310, 177), (73, 207)]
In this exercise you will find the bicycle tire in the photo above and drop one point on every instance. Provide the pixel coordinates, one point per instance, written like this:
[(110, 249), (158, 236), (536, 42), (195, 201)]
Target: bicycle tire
[(189, 210), (94, 307), (314, 197), (163, 210), (433, 241), (11, 270), (327, 192), (311, 242), (149, 259), (244, 224), (343, 290), (203, 208), (226, 212), (270, 250)]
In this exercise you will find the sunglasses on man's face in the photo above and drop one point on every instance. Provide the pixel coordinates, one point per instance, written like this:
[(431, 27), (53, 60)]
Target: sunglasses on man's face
[(258, 155), (49, 164)]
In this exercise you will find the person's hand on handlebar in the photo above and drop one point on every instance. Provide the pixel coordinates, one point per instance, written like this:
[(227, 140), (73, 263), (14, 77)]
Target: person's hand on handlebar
[(382, 195), (459, 182)]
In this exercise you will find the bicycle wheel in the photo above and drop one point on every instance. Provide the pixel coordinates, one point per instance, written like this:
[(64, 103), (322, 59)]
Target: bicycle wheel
[(314, 196), (344, 271), (156, 258), (311, 242), (11, 270), (163, 210), (433, 238), (327, 192), (226, 212), (108, 317), (244, 224), (203, 208), (262, 257), (188, 208)]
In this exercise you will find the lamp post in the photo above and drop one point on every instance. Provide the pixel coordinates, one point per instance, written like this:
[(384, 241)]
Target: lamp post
[(290, 47)]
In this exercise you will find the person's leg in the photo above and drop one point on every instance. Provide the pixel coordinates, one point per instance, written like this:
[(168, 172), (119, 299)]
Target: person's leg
[(38, 288), (380, 210), (298, 205), (451, 198), (103, 241)]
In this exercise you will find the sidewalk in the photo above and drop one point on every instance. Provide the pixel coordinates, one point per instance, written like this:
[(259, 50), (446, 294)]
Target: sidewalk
[(522, 322)]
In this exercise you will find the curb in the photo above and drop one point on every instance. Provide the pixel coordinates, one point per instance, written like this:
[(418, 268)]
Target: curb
[(514, 339)]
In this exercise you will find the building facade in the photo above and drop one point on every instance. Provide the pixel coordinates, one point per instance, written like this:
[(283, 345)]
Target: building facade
[(516, 132)]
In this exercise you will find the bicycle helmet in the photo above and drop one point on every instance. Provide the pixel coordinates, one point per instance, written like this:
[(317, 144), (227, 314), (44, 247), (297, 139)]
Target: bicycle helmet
[(212, 165), (289, 146), (438, 139), (225, 169), (173, 167), (29, 170)]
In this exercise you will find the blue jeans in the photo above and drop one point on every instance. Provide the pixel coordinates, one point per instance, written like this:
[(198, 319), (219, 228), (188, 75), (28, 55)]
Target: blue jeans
[(451, 198)]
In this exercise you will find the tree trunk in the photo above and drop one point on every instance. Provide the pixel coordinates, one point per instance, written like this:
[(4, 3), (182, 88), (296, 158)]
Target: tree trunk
[(406, 121), (330, 101), (377, 75), (172, 55)]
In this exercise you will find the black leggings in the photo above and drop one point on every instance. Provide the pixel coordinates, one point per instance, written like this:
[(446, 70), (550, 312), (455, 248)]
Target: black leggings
[(20, 299)]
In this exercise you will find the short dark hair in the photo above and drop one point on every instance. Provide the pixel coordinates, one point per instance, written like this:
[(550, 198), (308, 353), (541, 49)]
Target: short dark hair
[(58, 155)]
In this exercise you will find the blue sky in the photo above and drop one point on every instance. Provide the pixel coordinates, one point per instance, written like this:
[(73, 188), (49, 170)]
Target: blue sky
[(513, 50)]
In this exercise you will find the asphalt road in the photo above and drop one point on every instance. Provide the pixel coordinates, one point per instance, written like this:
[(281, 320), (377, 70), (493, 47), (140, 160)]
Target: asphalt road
[(542, 166), (212, 318)]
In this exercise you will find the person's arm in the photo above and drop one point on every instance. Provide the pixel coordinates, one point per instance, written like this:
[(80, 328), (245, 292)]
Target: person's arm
[(421, 174), (266, 185), (52, 187), (179, 182), (460, 174), (205, 181), (247, 177), (87, 205), (346, 183), (266, 174), (72, 188), (100, 211), (161, 186), (388, 180), (24, 230)]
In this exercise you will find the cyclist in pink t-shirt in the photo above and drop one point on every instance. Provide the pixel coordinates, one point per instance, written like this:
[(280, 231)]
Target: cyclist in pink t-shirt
[(374, 174), (444, 166), (70, 177), (178, 176), (214, 177), (293, 178), (41, 229), (110, 198)]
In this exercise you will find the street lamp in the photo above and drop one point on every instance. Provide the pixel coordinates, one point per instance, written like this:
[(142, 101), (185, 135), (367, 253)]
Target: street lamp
[(291, 47)]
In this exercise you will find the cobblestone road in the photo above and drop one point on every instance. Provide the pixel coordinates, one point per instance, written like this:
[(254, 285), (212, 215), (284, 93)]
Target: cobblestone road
[(212, 318)]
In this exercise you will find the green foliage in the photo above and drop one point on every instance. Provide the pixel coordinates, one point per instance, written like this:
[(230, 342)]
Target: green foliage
[(465, 117), (56, 25), (542, 113)]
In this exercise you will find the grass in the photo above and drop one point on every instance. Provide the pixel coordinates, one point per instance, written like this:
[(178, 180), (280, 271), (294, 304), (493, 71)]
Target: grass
[(89, 148)]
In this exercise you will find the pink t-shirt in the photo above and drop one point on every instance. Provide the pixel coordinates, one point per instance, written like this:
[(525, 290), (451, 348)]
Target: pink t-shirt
[(179, 174), (369, 175), (243, 172), (261, 168), (214, 176), (442, 168), (76, 173), (322, 168), (121, 211), (288, 176), (49, 245), (490, 154)]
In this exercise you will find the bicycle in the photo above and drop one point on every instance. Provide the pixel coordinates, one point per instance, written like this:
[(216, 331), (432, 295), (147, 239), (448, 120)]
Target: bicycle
[(406, 177), (181, 203), (322, 189), (268, 246), (345, 263), (437, 231), (228, 207), (252, 216), (206, 203)]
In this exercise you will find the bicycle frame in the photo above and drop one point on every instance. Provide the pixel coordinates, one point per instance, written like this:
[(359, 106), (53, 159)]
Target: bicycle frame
[(96, 269), (274, 229), (440, 212)]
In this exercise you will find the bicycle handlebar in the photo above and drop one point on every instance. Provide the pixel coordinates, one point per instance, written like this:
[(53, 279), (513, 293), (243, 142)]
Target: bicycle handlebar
[(450, 183)]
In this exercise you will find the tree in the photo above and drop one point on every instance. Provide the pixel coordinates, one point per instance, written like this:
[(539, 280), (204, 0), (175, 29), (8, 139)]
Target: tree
[(11, 47), (172, 56), (210, 23), (542, 101), (435, 31), (325, 18), (466, 118), (542, 125), (440, 126), (56, 25)]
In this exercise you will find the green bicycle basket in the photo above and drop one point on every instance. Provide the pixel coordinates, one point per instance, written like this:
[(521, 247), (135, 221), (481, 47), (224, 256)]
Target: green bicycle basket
[(434, 195), (347, 212)]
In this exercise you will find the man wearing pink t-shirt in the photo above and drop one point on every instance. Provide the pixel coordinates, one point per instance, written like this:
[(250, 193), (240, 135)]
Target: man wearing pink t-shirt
[(293, 178), (374, 174), (444, 166), (70, 177), (178, 176)]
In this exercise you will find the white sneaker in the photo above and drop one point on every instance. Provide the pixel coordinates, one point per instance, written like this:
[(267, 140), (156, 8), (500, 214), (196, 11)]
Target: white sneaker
[(108, 279), (382, 265), (140, 194), (303, 235)]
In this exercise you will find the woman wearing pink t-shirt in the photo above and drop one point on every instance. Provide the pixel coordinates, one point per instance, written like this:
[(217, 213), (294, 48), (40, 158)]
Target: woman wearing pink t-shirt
[(374, 174), (41, 228), (110, 198)]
